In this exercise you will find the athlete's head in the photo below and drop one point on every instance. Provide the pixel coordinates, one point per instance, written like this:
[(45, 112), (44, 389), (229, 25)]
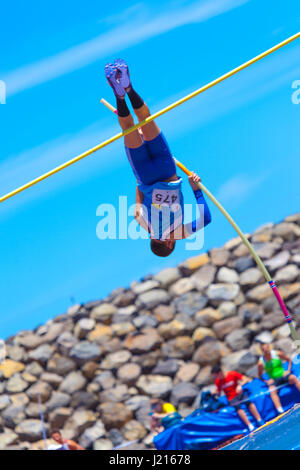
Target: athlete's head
[(56, 436), (217, 372), (162, 247), (265, 348)]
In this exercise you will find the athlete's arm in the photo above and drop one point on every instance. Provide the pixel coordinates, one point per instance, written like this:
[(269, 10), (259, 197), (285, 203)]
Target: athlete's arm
[(284, 357), (73, 445), (139, 197), (261, 369), (205, 215)]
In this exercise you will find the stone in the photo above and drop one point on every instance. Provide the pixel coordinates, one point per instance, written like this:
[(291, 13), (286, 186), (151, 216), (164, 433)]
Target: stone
[(153, 298), (208, 353), (288, 231), (80, 420), (83, 327), (4, 401), (204, 377), (203, 277), (52, 379), (92, 435), (184, 392), (124, 299), (7, 438), (73, 382), (9, 368), (223, 291), (34, 368), (167, 276), (122, 329), (59, 416), (85, 351), (141, 287), (147, 361), (187, 372), (89, 369), (287, 274), (201, 333), (250, 312), (114, 415), (286, 345), (227, 275), (105, 379), (52, 332), (226, 309), (207, 316), (102, 444), (264, 337), (58, 400), (142, 343), (181, 286), (124, 314), (231, 361), (33, 410), (83, 399), (168, 367), (238, 339), (42, 354), (30, 430), (272, 320), (259, 293), (29, 341), (244, 263), (16, 384), (60, 365), (289, 290), (29, 378), (103, 313), (145, 321), (282, 332), (190, 303), (129, 373), (115, 360), (39, 389), (137, 402), (16, 353), (240, 251), (224, 327), (266, 250), (13, 415), (158, 386), (191, 264), (181, 348), (278, 261), (219, 256), (251, 277), (172, 329), (164, 313), (100, 334), (133, 430)]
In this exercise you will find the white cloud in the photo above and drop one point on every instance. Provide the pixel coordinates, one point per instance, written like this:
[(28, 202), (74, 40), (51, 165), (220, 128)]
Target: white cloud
[(114, 41)]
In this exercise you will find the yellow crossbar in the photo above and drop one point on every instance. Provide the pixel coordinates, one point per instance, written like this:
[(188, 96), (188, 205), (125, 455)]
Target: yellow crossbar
[(149, 119)]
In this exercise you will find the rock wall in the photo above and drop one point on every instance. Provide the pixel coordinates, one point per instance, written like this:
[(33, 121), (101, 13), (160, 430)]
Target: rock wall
[(97, 366)]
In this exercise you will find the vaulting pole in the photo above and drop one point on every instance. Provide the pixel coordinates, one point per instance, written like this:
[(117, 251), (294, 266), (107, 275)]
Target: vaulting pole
[(150, 118), (257, 259)]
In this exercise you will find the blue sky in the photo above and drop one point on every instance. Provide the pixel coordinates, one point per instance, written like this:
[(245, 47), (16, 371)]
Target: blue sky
[(242, 136)]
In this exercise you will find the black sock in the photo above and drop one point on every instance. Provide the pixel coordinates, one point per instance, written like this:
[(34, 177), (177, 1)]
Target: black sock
[(135, 99), (122, 108)]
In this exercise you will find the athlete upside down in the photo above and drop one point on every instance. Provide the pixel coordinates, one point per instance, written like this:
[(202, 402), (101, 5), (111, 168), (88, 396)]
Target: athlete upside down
[(159, 199)]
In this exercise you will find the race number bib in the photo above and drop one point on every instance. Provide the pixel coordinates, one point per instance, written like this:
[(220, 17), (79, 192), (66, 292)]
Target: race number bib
[(165, 197)]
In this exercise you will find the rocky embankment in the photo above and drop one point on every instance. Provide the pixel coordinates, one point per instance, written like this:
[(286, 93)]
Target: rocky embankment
[(97, 366)]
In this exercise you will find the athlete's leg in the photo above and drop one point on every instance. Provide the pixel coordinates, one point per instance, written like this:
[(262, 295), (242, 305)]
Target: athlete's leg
[(253, 410), (243, 417), (134, 139), (150, 130), (294, 381)]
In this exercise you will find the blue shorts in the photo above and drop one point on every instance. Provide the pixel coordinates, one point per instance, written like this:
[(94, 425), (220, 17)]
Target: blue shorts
[(152, 161)]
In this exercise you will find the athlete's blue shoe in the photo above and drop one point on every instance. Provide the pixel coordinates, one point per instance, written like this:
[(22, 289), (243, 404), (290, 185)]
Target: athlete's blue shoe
[(123, 73), (112, 75)]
